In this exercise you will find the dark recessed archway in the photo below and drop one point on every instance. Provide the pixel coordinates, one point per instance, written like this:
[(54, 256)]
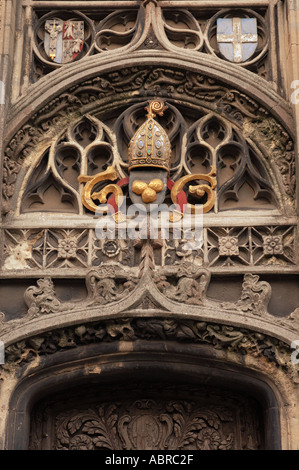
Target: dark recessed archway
[(155, 375)]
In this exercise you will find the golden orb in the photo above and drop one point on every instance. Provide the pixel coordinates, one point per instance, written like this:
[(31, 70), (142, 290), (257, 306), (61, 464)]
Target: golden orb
[(157, 185), (149, 195), (138, 187)]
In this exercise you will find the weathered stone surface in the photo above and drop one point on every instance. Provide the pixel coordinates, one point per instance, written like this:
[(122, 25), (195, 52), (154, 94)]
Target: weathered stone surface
[(85, 311)]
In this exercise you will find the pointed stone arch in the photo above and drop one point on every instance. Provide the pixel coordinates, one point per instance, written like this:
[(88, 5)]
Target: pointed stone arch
[(164, 306)]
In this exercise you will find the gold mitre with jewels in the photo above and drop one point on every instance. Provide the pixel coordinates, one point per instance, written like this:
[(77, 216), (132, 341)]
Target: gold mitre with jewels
[(150, 146)]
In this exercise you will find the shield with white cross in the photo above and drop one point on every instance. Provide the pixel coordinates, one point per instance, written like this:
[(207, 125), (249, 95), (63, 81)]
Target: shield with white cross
[(237, 38)]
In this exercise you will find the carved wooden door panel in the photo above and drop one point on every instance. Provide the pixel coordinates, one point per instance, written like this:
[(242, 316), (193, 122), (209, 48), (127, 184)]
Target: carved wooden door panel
[(148, 418)]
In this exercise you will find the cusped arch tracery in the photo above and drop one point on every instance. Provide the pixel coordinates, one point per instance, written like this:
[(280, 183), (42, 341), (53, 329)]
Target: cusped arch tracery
[(209, 121), (148, 27), (202, 140), (115, 92), (80, 122)]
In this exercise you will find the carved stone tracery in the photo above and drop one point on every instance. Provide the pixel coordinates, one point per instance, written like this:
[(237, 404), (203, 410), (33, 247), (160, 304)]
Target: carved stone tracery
[(213, 136), (150, 27), (270, 247), (209, 143), (230, 103), (149, 290)]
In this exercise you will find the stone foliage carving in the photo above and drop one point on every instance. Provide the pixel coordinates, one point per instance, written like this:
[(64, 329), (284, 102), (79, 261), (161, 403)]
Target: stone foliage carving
[(157, 417), (145, 425), (41, 299), (109, 283), (255, 295), (219, 336)]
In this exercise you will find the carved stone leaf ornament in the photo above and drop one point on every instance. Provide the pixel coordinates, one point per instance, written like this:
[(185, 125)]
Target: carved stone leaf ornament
[(80, 146), (184, 283), (144, 425), (220, 337), (255, 295), (191, 286), (109, 283), (42, 299)]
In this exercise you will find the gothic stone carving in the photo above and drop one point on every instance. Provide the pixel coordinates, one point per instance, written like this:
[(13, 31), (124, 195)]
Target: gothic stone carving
[(191, 285), (64, 37), (255, 295), (242, 110), (183, 283), (267, 246), (219, 336), (109, 283), (159, 416), (42, 299), (148, 424), (211, 150)]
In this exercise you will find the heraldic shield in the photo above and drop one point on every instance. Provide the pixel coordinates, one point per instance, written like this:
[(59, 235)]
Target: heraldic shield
[(148, 179), (237, 38), (64, 40), (149, 159)]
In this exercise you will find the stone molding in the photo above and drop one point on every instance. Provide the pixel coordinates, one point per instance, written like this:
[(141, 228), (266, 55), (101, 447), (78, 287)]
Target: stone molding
[(117, 292), (45, 90)]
